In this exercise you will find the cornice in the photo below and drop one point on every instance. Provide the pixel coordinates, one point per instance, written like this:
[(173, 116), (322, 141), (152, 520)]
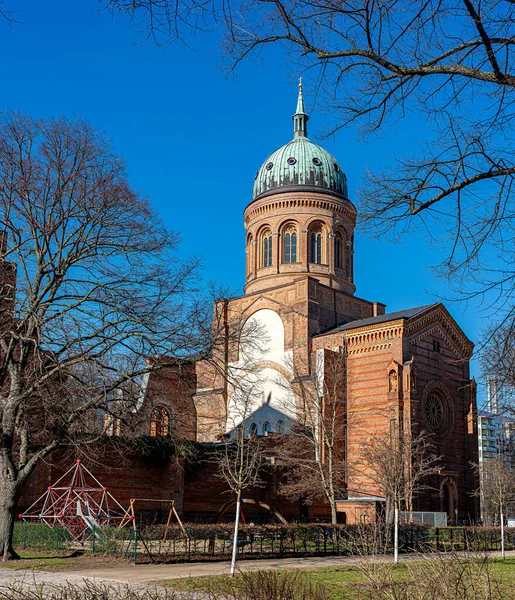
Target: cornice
[(278, 203)]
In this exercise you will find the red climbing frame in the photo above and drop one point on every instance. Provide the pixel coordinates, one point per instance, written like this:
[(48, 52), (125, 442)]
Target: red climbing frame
[(78, 502)]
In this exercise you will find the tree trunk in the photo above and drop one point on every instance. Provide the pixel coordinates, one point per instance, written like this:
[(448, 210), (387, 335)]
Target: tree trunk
[(503, 551), (9, 496), (235, 537), (334, 513), (396, 535)]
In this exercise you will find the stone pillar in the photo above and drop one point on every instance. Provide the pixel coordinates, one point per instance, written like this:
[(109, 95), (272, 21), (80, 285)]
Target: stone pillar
[(304, 249), (276, 258), (330, 258)]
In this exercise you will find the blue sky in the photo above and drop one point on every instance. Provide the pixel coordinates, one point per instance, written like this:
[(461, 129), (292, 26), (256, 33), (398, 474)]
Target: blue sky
[(194, 139)]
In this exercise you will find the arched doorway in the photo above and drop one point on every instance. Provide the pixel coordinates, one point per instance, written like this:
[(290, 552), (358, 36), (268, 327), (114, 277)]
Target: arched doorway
[(448, 501)]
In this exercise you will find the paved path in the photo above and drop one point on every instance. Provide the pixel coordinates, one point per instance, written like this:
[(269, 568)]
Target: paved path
[(157, 573), (32, 578), (141, 575)]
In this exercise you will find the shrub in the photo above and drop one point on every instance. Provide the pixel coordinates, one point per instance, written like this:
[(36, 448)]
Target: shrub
[(272, 585), (436, 577)]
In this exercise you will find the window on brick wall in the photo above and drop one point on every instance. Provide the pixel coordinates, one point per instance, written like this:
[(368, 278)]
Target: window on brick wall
[(159, 422), (436, 346), (266, 259)]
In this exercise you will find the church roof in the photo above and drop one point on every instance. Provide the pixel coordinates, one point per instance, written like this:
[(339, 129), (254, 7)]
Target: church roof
[(300, 164), (408, 313)]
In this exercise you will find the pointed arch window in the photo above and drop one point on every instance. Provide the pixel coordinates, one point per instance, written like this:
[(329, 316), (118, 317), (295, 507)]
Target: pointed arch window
[(279, 426), (159, 422), (267, 249), (316, 246), (290, 245), (266, 428)]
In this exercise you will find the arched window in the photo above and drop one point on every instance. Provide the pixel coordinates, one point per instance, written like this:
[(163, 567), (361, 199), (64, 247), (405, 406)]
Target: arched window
[(267, 249), (316, 246), (112, 425), (266, 428), (290, 244), (338, 251), (250, 255), (279, 427), (253, 429), (159, 422), (348, 259)]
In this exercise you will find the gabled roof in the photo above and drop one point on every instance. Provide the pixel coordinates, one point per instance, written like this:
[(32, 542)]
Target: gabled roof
[(408, 313)]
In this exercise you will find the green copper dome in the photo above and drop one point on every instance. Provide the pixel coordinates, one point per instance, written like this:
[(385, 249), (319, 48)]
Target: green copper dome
[(300, 165)]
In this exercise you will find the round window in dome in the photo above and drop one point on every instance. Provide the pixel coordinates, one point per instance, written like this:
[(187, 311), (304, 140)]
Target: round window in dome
[(257, 175), (269, 166), (317, 162), (291, 161), (336, 167)]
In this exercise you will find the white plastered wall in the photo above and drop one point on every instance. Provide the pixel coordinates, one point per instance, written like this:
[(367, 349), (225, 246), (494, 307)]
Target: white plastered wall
[(261, 393)]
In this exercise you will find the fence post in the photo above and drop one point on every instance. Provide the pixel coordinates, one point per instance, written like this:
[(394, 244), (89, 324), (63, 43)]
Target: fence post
[(135, 549), (93, 540), (24, 535), (189, 543), (57, 538), (437, 536)]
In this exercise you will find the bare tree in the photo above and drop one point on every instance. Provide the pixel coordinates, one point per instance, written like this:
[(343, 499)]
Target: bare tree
[(314, 450), (499, 361), (90, 287), (242, 458), (400, 466), (448, 63), (497, 491)]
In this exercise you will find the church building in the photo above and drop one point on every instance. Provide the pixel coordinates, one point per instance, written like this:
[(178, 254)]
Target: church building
[(404, 371)]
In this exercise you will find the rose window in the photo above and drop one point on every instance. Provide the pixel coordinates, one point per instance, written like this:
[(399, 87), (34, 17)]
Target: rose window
[(435, 412)]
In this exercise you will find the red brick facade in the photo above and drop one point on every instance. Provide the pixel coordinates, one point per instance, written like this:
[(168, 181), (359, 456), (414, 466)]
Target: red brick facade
[(398, 368)]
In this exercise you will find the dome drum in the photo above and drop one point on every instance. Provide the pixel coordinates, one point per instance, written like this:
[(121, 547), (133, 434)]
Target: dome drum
[(300, 221), (281, 238)]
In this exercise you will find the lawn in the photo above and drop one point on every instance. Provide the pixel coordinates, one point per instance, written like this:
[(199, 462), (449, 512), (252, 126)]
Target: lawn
[(68, 560), (339, 582)]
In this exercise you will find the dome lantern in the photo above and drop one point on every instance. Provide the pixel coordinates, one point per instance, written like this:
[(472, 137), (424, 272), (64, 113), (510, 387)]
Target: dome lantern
[(300, 118)]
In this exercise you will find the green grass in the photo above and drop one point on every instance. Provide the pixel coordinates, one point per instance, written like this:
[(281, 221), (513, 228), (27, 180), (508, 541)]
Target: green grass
[(42, 560), (339, 582), (333, 579)]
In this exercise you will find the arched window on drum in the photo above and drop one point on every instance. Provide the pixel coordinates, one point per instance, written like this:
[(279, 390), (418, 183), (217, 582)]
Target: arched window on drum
[(250, 255), (339, 246), (290, 244), (316, 249), (266, 249)]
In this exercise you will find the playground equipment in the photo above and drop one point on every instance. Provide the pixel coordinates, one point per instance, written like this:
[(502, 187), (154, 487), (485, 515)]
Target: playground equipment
[(78, 502), (130, 516), (257, 503)]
